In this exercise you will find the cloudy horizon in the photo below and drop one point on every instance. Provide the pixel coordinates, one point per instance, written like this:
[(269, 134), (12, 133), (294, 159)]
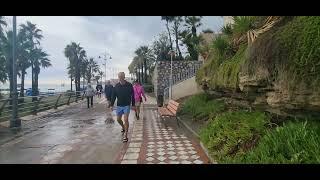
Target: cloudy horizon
[(117, 35)]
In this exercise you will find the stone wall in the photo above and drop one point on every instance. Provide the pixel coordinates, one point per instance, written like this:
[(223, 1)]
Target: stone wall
[(180, 70)]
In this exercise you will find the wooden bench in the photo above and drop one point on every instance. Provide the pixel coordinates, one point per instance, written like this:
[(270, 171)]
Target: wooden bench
[(169, 111)]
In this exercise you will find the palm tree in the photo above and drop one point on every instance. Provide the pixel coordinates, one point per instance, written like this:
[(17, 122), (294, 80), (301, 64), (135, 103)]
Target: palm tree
[(39, 60), (76, 55), (190, 37), (71, 73), (3, 72), (6, 49), (176, 24), (2, 23), (168, 19), (83, 69), (92, 68), (24, 47), (33, 34), (145, 60)]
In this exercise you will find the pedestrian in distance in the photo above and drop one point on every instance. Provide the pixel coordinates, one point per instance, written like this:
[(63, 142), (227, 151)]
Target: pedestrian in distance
[(138, 94), (99, 90), (108, 88), (89, 93)]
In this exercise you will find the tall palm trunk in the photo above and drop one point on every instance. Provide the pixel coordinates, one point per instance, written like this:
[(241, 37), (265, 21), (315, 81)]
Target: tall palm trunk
[(23, 73), (145, 70), (177, 38), (142, 79), (10, 80), (71, 82), (33, 82), (167, 25)]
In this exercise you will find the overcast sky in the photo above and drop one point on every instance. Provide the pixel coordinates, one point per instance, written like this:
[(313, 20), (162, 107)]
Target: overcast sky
[(118, 35)]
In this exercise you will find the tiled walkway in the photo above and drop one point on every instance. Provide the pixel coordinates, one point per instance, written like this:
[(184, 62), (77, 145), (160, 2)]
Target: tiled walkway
[(161, 142)]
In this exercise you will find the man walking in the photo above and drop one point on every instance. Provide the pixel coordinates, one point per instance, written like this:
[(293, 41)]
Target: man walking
[(123, 92), (89, 92), (108, 92)]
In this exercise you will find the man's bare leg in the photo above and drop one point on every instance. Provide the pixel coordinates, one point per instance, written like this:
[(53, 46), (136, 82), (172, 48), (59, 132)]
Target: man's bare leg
[(126, 124), (119, 119)]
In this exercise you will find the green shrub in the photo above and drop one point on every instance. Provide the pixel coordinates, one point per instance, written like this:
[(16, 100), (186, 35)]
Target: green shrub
[(222, 46), (295, 142), (231, 133), (200, 106), (242, 24), (227, 30), (226, 76), (300, 42)]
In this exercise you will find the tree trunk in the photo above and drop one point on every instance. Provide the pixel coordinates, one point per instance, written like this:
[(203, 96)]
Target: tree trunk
[(177, 39), (33, 82), (23, 72), (142, 79), (83, 79), (169, 34), (11, 81), (71, 81), (139, 73), (145, 71)]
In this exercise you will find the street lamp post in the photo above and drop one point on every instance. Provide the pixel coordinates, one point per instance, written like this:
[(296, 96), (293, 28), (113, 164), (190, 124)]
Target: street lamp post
[(105, 64), (171, 83), (15, 122)]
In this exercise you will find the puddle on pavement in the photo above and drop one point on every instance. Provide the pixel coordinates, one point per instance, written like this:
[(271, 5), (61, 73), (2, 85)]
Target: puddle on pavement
[(82, 123)]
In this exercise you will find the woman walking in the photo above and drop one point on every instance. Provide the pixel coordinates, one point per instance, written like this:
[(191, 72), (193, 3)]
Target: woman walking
[(90, 92), (138, 94)]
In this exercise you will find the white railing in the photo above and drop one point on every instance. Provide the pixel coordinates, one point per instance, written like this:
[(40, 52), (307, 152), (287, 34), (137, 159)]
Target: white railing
[(177, 78)]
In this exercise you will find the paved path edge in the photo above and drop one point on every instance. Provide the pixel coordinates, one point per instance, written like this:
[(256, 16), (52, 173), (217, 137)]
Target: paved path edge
[(212, 161)]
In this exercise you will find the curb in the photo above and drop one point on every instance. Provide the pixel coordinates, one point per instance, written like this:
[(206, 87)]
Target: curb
[(212, 161)]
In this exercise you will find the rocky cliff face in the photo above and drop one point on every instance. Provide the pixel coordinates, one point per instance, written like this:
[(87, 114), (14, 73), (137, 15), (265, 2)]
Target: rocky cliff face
[(280, 71), (275, 97)]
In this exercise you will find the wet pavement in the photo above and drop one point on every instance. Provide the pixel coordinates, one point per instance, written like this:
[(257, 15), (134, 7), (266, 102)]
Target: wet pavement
[(156, 141), (77, 135), (74, 135)]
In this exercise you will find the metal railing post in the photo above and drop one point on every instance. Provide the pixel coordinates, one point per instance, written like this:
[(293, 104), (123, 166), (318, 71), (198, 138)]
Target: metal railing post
[(3, 105), (76, 97), (56, 104), (36, 105), (70, 94)]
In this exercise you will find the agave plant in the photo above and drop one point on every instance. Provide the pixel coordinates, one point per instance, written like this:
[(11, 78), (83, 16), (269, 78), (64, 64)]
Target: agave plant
[(269, 23), (227, 30)]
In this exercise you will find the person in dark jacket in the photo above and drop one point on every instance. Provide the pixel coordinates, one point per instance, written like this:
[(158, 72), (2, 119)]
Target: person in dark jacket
[(123, 92), (99, 90), (108, 92)]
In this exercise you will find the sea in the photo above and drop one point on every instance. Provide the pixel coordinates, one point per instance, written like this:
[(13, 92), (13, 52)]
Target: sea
[(44, 88)]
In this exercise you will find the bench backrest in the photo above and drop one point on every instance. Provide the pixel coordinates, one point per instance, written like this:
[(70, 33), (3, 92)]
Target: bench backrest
[(173, 106)]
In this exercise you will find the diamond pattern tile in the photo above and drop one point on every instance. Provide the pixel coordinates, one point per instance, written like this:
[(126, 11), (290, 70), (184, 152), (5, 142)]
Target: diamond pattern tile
[(182, 152), (161, 153), (171, 153), (198, 162), (184, 157), (195, 156), (192, 152), (186, 162), (161, 158), (181, 148), (149, 154), (173, 157), (150, 159)]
